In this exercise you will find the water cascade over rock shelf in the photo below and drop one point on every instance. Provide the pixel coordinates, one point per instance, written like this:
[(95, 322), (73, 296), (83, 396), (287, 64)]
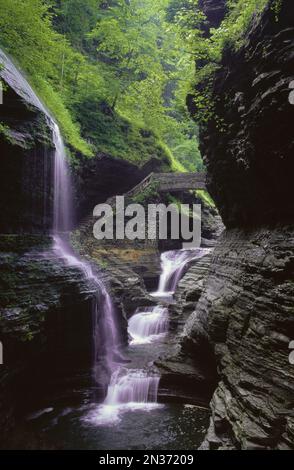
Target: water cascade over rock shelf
[(132, 388)]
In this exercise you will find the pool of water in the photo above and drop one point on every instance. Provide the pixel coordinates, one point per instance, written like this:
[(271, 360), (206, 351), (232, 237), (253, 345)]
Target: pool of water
[(161, 427)]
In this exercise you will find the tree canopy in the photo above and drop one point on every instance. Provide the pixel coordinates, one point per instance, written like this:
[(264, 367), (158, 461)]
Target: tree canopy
[(124, 63)]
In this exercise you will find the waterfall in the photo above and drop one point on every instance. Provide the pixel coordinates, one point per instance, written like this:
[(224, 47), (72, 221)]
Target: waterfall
[(148, 325), (106, 328), (106, 338), (173, 264), (17, 81), (132, 386), (129, 389), (62, 186)]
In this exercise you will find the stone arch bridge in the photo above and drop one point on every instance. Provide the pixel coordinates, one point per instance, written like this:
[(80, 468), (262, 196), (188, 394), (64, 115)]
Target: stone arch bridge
[(170, 182)]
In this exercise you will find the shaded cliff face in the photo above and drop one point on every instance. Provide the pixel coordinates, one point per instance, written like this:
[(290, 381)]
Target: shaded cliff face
[(45, 325), (96, 179), (248, 147), (246, 311), (26, 193)]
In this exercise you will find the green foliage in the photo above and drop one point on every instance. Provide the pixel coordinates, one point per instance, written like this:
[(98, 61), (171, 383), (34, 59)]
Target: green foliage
[(70, 129), (76, 18), (143, 66), (175, 165), (205, 197), (4, 131), (207, 51), (112, 134), (276, 8), (116, 73), (233, 28), (76, 52), (27, 34)]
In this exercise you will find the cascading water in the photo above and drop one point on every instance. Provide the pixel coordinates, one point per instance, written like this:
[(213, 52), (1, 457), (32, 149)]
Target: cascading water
[(105, 328), (128, 388), (132, 388), (62, 186), (173, 264), (17, 80), (148, 325)]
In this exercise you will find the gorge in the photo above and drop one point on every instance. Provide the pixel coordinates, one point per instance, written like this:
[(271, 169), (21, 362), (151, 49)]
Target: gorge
[(119, 344)]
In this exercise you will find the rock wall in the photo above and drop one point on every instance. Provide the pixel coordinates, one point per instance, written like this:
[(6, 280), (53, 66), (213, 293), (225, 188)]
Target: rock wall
[(45, 325), (250, 156), (246, 311), (96, 179), (27, 157)]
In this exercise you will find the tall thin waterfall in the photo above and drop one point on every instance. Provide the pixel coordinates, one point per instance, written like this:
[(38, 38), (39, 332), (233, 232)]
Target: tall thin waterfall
[(62, 186), (102, 305), (104, 330)]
